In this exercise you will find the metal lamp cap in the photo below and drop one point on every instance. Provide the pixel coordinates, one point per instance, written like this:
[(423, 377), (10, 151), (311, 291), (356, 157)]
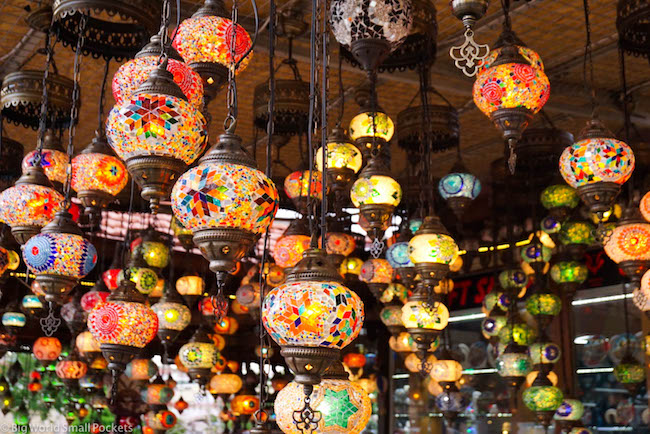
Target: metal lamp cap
[(161, 82), (313, 266), (228, 149)]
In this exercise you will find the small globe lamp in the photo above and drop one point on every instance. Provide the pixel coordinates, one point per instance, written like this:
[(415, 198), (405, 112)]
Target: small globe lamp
[(153, 248), (395, 293), (451, 403), (140, 371), (59, 257), (139, 272), (493, 323), (377, 274), (629, 244), (199, 356), (159, 421), (122, 326), (596, 166), (543, 399), (46, 349), (181, 405), (301, 190), (30, 204), (71, 369), (391, 316), (312, 316), (513, 365), (87, 346), (173, 316), (577, 236), (559, 200), (350, 268), (13, 320), (544, 307), (225, 384), (98, 294), (569, 413), (459, 188), (644, 206), (432, 250), (31, 305), (292, 244), (157, 394), (518, 332), (513, 281), (191, 287), (544, 355), (401, 343), (183, 234), (446, 370), (630, 373), (338, 245), (569, 275), (344, 160), (53, 159), (73, 314), (398, 258), (424, 319), (535, 257), (245, 403)]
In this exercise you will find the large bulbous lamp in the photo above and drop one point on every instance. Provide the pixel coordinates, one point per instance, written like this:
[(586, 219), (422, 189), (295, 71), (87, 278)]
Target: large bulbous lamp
[(629, 244), (511, 87), (344, 160), (97, 175), (370, 30), (301, 190), (59, 256), (30, 204), (597, 165), (157, 132), (205, 41), (312, 316)]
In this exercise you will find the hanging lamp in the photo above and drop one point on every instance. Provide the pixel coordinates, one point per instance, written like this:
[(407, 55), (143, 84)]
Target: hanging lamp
[(543, 399), (199, 355), (459, 187), (52, 158), (344, 160)]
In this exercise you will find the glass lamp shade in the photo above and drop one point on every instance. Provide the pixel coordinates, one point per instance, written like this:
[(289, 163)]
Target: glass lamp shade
[(629, 372), (59, 254), (111, 278), (596, 160), (157, 394), (544, 353), (296, 185), (339, 243), (154, 253), (92, 298), (419, 315), (550, 225), (536, 253), (98, 172), (520, 333), (249, 295), (159, 421), (227, 326), (398, 255), (629, 242), (141, 369), (354, 20), (225, 195), (130, 75), (514, 364), (376, 271), (361, 126), (123, 323), (29, 205), (401, 343), (570, 410), (492, 325), (313, 314), (497, 298), (578, 232), (71, 369), (569, 272), (544, 304), (344, 406), (432, 248), (31, 302), (394, 292), (413, 363), (244, 405), (351, 265), (340, 155), (171, 315), (644, 206), (459, 185), (198, 355), (391, 315), (641, 295), (53, 163), (225, 384), (543, 398), (46, 349), (145, 279), (156, 124), (208, 39), (447, 370), (354, 360), (559, 196), (511, 85), (375, 190), (289, 249), (190, 285), (513, 279), (86, 343)]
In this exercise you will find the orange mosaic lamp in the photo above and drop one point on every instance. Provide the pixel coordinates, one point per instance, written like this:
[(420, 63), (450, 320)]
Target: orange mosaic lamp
[(629, 244)]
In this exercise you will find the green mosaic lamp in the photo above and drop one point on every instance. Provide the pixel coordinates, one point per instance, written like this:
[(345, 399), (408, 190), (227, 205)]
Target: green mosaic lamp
[(543, 399)]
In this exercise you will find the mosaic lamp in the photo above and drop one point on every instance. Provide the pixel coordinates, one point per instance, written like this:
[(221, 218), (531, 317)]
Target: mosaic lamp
[(514, 364), (511, 87), (71, 369), (30, 204), (398, 257), (371, 129), (312, 316), (391, 316), (451, 403), (301, 190), (199, 355), (53, 159), (153, 246), (543, 399), (139, 272), (544, 306), (191, 287), (339, 245), (59, 256), (341, 406), (629, 244), (446, 370), (226, 202), (205, 42), (31, 305), (292, 244), (459, 188), (157, 394), (544, 355), (596, 166), (225, 384), (424, 319), (559, 200), (173, 315), (140, 371), (513, 281), (644, 206), (343, 160), (122, 326), (158, 133), (46, 349), (370, 30), (629, 372), (376, 194), (377, 274), (432, 250), (97, 175)]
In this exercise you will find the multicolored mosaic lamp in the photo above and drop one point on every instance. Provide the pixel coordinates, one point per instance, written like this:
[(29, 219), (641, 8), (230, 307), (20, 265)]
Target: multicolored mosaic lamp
[(597, 165), (344, 160), (53, 159), (157, 132), (70, 370), (342, 406), (59, 256), (511, 87), (205, 41), (301, 190), (398, 257), (173, 316), (629, 244), (312, 316), (226, 202), (292, 244), (629, 373), (459, 188), (432, 250), (513, 365), (199, 356), (97, 175), (377, 274), (30, 204)]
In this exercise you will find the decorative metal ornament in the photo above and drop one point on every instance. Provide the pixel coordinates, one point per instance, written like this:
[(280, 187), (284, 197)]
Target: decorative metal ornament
[(632, 24), (443, 129), (22, 93), (468, 55), (103, 36)]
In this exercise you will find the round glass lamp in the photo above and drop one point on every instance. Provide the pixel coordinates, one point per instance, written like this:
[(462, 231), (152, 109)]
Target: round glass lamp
[(378, 274), (343, 160), (570, 410), (459, 188), (225, 384), (432, 250), (629, 245), (300, 190), (544, 353), (351, 266), (543, 399), (289, 249), (199, 355), (559, 199), (46, 349)]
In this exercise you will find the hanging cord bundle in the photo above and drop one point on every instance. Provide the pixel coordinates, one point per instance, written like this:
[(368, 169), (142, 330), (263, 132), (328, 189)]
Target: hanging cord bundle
[(588, 62)]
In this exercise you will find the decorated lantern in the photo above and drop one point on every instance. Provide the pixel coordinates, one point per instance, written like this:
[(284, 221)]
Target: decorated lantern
[(343, 160), (459, 188), (301, 190), (629, 244), (378, 274), (225, 384), (199, 356), (46, 349), (559, 199), (432, 250), (543, 399), (141, 370), (53, 159)]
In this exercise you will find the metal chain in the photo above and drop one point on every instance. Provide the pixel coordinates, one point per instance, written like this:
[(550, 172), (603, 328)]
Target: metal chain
[(42, 121), (588, 59), (102, 96), (165, 41), (74, 111), (230, 124), (323, 127)]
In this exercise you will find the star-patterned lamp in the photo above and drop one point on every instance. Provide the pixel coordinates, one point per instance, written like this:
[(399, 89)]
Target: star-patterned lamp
[(53, 159)]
